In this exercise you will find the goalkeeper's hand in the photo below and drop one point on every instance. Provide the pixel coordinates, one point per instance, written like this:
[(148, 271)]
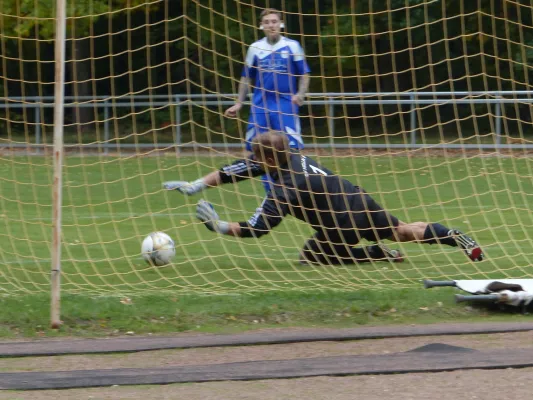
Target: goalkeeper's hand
[(206, 213), (188, 188)]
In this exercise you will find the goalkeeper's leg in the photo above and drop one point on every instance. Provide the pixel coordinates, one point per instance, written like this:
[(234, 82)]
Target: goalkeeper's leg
[(469, 245), (331, 250), (381, 252), (436, 233)]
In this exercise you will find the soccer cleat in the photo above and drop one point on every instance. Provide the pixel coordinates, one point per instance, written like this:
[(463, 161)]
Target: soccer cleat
[(380, 252), (469, 245)]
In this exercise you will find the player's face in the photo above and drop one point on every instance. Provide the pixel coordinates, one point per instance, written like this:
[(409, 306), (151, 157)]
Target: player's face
[(271, 26)]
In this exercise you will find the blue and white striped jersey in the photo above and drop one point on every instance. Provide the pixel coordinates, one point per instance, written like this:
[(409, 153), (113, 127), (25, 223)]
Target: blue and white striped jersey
[(275, 70)]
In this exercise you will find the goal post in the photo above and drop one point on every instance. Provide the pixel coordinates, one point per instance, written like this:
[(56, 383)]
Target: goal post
[(58, 150), (426, 105)]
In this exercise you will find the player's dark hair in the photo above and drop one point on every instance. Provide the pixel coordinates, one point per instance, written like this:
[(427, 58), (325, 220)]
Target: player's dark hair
[(272, 144), (268, 11)]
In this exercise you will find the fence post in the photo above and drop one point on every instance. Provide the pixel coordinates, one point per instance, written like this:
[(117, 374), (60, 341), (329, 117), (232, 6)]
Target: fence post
[(497, 117), (177, 139), (57, 192), (331, 120), (106, 128), (413, 119), (37, 129)]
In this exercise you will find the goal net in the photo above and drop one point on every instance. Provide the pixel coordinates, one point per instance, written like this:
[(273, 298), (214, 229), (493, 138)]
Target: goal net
[(424, 104)]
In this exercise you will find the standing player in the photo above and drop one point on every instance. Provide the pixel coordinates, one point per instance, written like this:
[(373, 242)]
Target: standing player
[(341, 213), (280, 75), (277, 68)]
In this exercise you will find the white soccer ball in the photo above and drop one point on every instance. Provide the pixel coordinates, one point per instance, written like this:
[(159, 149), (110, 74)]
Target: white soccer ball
[(158, 249)]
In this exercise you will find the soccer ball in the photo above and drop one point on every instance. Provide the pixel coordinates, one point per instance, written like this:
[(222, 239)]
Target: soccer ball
[(158, 249)]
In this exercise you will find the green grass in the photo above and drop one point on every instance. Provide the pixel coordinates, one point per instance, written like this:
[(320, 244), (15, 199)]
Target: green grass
[(110, 204), (85, 316)]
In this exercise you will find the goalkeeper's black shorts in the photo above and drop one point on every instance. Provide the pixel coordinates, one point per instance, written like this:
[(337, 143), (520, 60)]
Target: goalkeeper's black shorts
[(372, 224)]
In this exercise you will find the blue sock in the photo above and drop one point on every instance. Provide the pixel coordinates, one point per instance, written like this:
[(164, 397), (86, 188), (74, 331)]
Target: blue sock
[(267, 182), (437, 233)]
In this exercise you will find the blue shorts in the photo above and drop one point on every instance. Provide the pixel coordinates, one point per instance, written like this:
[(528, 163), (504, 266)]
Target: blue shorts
[(278, 121)]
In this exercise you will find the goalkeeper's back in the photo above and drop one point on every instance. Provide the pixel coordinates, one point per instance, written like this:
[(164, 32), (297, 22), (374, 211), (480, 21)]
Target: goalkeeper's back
[(315, 194)]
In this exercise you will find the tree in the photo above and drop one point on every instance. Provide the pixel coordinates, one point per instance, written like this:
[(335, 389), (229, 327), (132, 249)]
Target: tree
[(35, 19)]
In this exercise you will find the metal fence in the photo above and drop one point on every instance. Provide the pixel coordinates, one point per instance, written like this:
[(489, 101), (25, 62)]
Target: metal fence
[(179, 102)]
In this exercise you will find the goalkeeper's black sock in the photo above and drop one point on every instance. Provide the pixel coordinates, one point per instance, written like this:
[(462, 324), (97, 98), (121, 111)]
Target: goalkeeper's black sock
[(376, 252), (360, 254), (437, 233)]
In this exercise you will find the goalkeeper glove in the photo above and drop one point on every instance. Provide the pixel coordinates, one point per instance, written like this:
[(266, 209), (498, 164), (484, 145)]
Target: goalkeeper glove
[(185, 187), (207, 214)]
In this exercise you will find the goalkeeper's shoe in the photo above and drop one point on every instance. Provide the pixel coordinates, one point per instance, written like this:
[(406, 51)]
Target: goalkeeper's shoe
[(469, 245), (380, 252)]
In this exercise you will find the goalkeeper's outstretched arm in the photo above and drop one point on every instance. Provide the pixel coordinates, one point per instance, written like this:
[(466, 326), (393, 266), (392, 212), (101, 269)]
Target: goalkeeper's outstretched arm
[(265, 218), (207, 214), (237, 171)]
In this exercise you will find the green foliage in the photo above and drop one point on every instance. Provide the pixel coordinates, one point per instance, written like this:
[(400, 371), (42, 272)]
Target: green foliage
[(38, 17), (199, 47)]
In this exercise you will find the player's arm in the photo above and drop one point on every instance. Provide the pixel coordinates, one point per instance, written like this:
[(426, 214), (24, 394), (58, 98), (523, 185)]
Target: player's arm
[(303, 85), (265, 218), (248, 74), (206, 213), (302, 69), (244, 85), (238, 170), (244, 88)]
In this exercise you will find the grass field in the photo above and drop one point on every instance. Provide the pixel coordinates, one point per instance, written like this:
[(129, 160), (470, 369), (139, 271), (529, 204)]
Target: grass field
[(111, 203)]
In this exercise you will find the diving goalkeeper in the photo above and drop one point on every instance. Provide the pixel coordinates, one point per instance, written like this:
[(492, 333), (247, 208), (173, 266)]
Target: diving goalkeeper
[(341, 213)]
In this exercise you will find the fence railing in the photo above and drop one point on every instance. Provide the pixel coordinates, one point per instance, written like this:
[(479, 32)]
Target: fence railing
[(332, 100)]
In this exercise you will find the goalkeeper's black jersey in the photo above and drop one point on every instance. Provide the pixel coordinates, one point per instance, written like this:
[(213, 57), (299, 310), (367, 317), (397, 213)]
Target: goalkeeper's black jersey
[(311, 193)]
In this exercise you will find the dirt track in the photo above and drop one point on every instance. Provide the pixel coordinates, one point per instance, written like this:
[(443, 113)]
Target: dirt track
[(474, 384)]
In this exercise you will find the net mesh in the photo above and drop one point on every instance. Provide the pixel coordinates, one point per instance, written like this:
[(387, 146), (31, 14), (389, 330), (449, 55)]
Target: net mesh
[(425, 104)]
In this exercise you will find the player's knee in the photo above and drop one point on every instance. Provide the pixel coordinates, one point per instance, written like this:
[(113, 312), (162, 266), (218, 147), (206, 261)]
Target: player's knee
[(403, 233), (410, 232)]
